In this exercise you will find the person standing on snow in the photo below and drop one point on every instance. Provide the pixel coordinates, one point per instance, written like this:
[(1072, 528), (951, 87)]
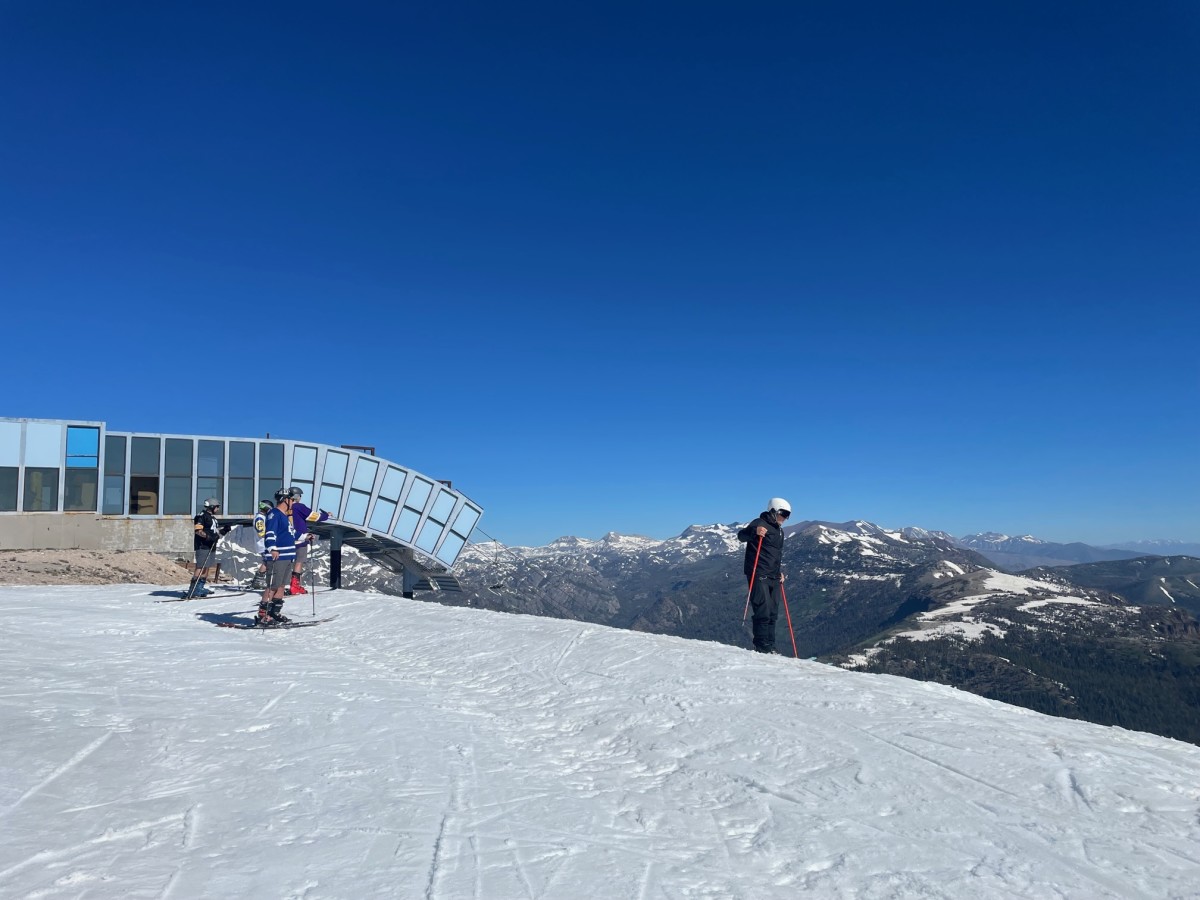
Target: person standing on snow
[(301, 516), (764, 556), (205, 535), (259, 582), (280, 541)]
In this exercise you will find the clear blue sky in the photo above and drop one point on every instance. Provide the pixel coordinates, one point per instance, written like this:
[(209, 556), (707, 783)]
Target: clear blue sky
[(629, 266)]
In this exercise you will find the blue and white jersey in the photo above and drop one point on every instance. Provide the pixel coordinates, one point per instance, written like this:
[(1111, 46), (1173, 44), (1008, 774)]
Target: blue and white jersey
[(260, 535), (280, 535)]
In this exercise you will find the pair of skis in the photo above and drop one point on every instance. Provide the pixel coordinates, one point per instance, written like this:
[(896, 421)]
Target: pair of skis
[(243, 625)]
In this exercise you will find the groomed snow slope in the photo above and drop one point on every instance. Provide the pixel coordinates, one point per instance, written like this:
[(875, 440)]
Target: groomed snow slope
[(415, 751)]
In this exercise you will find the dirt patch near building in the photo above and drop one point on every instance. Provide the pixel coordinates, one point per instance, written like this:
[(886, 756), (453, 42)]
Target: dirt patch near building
[(88, 567)]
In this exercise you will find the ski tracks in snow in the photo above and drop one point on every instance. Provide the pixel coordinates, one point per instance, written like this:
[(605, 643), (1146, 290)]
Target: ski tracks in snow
[(411, 750), (61, 770)]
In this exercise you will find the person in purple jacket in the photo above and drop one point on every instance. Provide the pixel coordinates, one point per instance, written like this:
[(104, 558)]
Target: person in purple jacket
[(301, 516)]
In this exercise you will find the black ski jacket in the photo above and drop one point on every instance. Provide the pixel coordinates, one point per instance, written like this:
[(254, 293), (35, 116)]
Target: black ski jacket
[(771, 557), (205, 535)]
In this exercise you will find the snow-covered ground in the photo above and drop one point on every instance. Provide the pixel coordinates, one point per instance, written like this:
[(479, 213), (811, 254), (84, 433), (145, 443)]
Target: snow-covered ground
[(411, 750)]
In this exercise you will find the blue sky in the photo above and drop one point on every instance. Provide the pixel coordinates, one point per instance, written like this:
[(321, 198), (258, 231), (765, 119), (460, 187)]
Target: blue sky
[(629, 266)]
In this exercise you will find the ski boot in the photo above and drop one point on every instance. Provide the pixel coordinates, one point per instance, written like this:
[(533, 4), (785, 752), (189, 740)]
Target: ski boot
[(264, 618), (296, 587), (276, 613), (257, 583)]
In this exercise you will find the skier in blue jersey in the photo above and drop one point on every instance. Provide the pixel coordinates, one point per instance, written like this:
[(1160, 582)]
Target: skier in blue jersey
[(279, 539)]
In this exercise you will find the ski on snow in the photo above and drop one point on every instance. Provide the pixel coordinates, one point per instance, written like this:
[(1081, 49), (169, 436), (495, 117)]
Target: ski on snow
[(244, 625)]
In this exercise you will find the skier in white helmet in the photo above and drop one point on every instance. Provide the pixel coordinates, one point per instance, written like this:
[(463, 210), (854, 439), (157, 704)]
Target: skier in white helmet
[(764, 555)]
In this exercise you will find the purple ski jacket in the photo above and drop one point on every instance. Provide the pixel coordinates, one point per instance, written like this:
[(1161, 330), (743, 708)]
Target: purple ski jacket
[(302, 515)]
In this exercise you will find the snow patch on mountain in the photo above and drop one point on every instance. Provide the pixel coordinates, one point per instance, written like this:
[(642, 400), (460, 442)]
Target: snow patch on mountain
[(957, 619)]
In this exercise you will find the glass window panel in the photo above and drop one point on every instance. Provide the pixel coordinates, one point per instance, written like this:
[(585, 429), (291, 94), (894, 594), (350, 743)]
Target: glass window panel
[(442, 507), (83, 452), (114, 495), (177, 495), (43, 445), (41, 489), (304, 464), (267, 488), (450, 549), (419, 494), (356, 507), (381, 515), (143, 456), (364, 474), (330, 500), (143, 494), (10, 443), (406, 525), (207, 487), (178, 458), (270, 461), (465, 520), (335, 468), (430, 532), (83, 441), (393, 483), (241, 459), (81, 489), (114, 454), (241, 496), (210, 459), (8, 488)]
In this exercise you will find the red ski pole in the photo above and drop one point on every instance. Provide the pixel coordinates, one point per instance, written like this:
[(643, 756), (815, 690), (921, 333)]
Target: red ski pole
[(753, 572), (795, 653)]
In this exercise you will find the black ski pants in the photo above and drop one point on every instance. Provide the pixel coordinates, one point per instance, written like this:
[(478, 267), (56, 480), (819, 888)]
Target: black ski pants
[(764, 608)]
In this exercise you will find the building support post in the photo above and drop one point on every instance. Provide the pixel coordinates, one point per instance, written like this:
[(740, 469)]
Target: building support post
[(335, 559)]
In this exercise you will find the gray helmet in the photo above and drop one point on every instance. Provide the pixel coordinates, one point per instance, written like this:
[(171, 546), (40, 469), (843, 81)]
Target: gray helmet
[(296, 492), (212, 503)]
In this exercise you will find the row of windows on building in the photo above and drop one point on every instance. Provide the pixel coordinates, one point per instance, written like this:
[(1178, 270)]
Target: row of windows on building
[(42, 482), (157, 476), (173, 476)]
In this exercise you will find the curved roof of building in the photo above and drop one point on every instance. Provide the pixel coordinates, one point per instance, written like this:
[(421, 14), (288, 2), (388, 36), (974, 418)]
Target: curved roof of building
[(382, 508)]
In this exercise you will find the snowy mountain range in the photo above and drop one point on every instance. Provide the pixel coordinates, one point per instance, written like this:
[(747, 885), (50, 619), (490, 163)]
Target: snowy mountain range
[(1015, 554), (1159, 548), (416, 751)]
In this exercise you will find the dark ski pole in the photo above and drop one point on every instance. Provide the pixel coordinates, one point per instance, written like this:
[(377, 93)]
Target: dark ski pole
[(795, 653), (196, 573), (753, 574)]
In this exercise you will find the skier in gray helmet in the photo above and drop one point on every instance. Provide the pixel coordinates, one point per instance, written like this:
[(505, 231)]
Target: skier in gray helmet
[(206, 534), (764, 556)]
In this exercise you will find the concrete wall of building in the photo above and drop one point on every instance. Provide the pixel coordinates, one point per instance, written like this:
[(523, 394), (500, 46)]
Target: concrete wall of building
[(88, 531)]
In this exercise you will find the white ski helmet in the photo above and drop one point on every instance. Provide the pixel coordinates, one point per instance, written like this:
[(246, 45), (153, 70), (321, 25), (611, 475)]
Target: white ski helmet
[(212, 503), (779, 505)]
